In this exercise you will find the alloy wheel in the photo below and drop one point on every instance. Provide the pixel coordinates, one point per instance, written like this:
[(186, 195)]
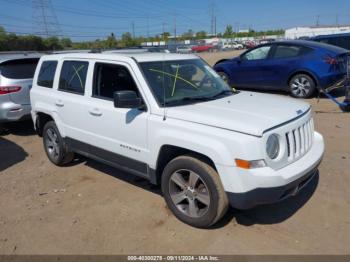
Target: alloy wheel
[(223, 76), (189, 193), (301, 87), (52, 143)]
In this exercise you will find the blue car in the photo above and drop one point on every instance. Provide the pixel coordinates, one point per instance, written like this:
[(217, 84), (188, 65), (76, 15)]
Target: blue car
[(299, 67)]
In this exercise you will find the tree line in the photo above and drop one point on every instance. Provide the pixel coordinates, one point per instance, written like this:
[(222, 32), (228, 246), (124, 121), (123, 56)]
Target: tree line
[(14, 42)]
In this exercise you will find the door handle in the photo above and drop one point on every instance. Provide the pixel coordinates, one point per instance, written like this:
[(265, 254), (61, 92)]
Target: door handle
[(59, 103), (95, 112)]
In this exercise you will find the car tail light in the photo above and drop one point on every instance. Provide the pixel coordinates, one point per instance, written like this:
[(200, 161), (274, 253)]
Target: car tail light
[(330, 60), (9, 89)]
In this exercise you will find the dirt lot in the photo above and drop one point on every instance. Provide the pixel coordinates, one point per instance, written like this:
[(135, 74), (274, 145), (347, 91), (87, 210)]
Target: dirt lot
[(89, 208)]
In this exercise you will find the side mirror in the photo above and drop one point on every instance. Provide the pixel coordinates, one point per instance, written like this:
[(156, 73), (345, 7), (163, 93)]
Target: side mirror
[(126, 99), (239, 60)]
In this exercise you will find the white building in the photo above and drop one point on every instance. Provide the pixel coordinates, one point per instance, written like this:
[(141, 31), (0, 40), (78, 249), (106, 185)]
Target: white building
[(297, 32)]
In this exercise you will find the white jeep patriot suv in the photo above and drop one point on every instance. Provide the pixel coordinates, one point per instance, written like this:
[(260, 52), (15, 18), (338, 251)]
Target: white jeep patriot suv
[(169, 118)]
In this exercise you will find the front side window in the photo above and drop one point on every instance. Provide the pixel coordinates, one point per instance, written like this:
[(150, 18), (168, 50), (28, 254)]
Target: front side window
[(286, 51), (73, 76), (47, 73), (183, 81), (109, 78), (257, 54)]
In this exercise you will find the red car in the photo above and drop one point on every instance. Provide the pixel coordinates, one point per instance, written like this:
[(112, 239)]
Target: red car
[(250, 44), (202, 48)]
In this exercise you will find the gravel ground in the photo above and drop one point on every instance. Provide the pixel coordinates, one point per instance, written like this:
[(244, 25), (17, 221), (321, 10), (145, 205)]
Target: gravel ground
[(89, 208)]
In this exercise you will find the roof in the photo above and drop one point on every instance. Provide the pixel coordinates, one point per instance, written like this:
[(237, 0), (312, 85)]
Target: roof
[(13, 56), (314, 44), (139, 57), (318, 27)]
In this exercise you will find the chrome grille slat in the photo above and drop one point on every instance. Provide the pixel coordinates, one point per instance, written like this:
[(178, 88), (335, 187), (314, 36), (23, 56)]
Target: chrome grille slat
[(302, 139), (299, 140), (291, 145), (306, 132)]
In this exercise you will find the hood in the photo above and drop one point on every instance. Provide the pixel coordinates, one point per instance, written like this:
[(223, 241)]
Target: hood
[(246, 112)]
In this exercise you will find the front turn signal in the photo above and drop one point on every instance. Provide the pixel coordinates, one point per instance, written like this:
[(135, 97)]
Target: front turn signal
[(245, 164)]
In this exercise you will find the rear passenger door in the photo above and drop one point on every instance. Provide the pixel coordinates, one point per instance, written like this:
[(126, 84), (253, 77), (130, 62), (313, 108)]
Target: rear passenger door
[(284, 59), (70, 101), (118, 135)]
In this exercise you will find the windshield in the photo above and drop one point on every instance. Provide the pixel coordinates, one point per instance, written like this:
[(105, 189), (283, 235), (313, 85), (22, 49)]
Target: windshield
[(182, 81)]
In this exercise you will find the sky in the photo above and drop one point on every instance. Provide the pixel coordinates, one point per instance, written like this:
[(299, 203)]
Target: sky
[(84, 20)]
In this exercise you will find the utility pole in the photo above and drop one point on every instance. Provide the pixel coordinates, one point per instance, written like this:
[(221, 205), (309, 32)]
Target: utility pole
[(215, 25), (212, 17), (175, 27), (337, 20), (163, 30), (44, 18), (147, 26), (317, 20), (133, 29)]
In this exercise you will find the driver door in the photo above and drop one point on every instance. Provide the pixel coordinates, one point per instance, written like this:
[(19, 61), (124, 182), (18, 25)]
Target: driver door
[(249, 69)]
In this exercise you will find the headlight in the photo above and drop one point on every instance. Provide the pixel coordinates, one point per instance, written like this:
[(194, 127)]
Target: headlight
[(273, 146)]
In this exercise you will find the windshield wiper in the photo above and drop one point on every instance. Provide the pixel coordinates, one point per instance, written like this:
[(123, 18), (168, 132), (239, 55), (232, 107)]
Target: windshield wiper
[(223, 92), (189, 99)]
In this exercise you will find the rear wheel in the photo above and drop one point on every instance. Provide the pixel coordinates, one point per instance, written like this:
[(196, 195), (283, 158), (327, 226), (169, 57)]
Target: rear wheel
[(55, 148), (302, 86), (345, 108), (193, 191)]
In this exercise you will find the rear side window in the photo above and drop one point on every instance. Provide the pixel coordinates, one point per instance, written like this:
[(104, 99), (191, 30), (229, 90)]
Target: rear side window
[(286, 51), (19, 68), (73, 76), (47, 73)]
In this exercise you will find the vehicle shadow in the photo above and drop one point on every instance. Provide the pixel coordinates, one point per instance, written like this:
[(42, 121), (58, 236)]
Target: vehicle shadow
[(21, 128), (274, 213), (122, 175), (10, 154), (263, 215)]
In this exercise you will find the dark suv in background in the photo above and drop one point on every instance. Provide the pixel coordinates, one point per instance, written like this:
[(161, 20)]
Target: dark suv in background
[(341, 40), (16, 76)]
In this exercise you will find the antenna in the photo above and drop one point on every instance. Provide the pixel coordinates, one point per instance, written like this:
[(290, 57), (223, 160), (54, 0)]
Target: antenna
[(44, 18), (163, 85)]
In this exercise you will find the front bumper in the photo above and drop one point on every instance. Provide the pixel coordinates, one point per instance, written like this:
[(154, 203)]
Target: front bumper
[(260, 196), (248, 188), (10, 111)]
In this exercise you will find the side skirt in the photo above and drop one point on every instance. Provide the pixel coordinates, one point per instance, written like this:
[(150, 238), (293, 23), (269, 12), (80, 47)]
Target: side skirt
[(126, 164)]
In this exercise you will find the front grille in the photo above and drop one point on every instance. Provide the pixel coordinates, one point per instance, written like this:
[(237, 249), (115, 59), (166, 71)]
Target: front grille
[(299, 140)]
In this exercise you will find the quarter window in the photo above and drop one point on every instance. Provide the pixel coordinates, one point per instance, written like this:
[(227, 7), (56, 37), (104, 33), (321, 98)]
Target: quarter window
[(109, 78), (47, 74), (258, 53), (73, 76)]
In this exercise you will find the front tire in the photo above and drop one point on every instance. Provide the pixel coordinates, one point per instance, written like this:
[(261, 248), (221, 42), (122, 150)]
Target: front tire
[(55, 148), (302, 86), (193, 191), (223, 76)]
